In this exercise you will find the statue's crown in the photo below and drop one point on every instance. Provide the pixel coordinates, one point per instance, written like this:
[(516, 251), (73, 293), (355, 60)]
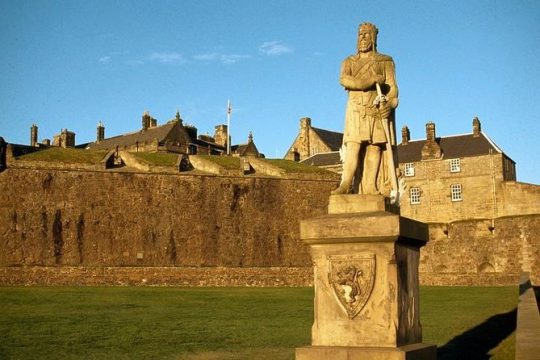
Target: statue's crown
[(368, 27)]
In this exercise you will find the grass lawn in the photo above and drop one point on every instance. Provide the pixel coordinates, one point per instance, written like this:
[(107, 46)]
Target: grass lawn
[(223, 323)]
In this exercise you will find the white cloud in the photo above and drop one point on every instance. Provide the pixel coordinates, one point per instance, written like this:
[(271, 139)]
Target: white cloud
[(104, 59), (168, 58), (233, 58), (206, 57), (274, 48), (223, 58)]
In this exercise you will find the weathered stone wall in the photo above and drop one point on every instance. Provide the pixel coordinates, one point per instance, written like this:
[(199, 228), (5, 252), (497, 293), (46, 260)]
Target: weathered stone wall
[(482, 251), (73, 218), (518, 198), (95, 227)]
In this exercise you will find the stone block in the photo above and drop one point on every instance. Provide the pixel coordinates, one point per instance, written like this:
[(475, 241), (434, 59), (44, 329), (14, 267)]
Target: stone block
[(407, 352)]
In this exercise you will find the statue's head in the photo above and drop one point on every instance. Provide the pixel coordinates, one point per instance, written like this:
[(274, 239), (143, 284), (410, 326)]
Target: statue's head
[(367, 37)]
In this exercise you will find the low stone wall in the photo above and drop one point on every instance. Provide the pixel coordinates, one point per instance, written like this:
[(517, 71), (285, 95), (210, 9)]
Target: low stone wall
[(475, 279), (157, 276)]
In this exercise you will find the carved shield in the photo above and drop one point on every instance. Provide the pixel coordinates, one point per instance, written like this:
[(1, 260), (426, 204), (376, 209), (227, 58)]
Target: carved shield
[(352, 278)]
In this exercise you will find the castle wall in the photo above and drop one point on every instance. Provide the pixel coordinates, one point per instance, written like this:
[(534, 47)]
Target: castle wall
[(73, 218), (483, 252), (518, 198), (61, 227)]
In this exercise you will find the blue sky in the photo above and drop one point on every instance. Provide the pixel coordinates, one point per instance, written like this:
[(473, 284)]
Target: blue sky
[(69, 64)]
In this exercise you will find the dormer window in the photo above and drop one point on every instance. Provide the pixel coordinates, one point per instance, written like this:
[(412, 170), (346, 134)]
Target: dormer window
[(409, 169), (455, 165)]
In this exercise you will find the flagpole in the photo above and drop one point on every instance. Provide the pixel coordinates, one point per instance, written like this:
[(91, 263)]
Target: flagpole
[(228, 127)]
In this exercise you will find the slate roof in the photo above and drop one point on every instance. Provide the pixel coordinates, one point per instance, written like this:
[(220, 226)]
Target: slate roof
[(323, 159), (333, 139), (452, 147), (147, 136), (457, 146)]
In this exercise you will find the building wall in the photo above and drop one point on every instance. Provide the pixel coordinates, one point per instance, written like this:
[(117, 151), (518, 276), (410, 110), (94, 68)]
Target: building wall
[(480, 178)]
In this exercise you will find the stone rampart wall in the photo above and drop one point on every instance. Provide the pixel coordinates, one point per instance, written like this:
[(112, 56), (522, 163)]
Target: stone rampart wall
[(482, 251), (519, 198), (95, 227), (74, 218)]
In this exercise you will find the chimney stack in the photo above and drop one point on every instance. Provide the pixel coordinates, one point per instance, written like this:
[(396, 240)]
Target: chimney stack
[(431, 149), (476, 127), (305, 123), (405, 135), (100, 132), (430, 131), (145, 120), (34, 135), (177, 117)]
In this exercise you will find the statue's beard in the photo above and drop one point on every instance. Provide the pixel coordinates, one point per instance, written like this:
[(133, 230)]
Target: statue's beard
[(364, 46)]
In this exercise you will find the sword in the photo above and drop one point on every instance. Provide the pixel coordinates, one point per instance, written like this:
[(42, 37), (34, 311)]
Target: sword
[(394, 194)]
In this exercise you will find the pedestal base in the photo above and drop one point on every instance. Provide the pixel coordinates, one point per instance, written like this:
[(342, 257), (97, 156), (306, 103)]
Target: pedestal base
[(407, 352)]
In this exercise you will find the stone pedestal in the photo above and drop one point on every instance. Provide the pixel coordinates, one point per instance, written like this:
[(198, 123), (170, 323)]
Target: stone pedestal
[(365, 259)]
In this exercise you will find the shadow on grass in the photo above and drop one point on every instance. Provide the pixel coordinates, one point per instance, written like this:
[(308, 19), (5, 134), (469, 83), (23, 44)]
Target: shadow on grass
[(478, 341)]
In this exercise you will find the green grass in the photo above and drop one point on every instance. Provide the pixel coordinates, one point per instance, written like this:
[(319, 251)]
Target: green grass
[(227, 162), (296, 167), (66, 155), (218, 323), (157, 158)]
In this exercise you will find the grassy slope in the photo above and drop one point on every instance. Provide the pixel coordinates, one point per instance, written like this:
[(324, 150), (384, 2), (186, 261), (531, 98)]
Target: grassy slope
[(295, 167), (227, 162), (68, 155), (239, 323), (157, 158)]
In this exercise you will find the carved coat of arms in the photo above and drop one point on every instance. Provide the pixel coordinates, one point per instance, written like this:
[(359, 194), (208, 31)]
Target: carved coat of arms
[(352, 279)]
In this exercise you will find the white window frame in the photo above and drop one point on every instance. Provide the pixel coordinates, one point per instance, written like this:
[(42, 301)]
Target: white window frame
[(409, 169), (456, 192), (455, 165), (414, 195)]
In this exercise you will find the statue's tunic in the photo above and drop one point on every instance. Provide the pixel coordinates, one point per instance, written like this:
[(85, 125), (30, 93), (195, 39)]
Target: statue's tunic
[(362, 119)]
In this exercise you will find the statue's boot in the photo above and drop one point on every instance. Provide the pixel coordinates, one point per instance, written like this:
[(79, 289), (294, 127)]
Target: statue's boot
[(344, 188)]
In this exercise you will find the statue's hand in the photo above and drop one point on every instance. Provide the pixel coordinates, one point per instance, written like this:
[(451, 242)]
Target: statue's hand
[(385, 109), (378, 79)]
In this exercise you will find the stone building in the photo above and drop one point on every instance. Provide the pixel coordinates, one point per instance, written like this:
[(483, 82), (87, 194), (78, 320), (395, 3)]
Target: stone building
[(248, 149), (454, 177), (173, 136), (311, 141), (64, 139), (447, 178)]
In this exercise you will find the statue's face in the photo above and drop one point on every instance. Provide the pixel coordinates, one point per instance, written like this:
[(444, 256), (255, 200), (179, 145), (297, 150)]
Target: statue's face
[(365, 41)]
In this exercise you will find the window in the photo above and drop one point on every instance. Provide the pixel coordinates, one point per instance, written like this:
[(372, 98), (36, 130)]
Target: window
[(409, 169), (455, 165), (414, 195), (455, 191)]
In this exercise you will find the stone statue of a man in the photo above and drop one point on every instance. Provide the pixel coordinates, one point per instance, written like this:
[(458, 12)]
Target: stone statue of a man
[(369, 78)]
